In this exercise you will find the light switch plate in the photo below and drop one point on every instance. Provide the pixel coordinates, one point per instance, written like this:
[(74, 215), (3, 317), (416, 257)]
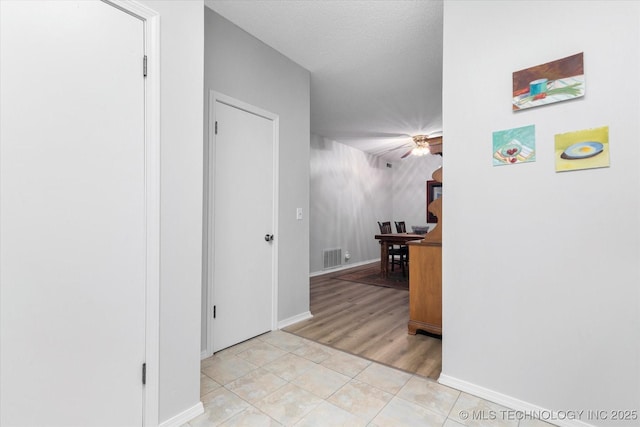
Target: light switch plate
[(298, 213)]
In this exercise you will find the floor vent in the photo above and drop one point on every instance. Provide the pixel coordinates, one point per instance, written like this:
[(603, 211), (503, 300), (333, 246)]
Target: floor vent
[(332, 257)]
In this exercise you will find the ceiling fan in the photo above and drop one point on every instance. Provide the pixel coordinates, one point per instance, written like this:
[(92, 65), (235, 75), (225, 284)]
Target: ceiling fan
[(425, 145), (421, 145), (417, 145)]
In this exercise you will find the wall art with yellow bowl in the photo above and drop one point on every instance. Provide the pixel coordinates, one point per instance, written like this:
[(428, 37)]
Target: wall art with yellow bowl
[(583, 149)]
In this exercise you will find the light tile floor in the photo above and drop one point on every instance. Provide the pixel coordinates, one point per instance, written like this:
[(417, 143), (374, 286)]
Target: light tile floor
[(280, 379)]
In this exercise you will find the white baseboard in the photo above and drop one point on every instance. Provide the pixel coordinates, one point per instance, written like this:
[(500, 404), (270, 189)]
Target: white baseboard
[(526, 408), (184, 417), (343, 267), (295, 319), (204, 354)]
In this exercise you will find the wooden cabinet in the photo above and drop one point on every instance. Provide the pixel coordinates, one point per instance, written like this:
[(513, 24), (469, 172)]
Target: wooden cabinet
[(425, 287)]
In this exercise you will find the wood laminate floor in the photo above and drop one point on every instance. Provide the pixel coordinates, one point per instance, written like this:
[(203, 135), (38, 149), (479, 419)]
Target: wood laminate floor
[(368, 321)]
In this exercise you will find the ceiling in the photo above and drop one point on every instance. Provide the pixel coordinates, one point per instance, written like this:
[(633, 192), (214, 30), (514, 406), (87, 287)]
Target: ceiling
[(376, 65)]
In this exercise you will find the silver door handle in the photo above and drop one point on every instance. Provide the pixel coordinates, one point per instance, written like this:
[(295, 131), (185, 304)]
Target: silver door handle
[(268, 237)]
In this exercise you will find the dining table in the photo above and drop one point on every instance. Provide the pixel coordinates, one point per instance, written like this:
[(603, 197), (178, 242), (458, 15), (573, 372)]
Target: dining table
[(390, 239)]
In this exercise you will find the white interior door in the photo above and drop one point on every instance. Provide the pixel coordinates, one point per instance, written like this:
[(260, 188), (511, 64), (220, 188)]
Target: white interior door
[(243, 215), (72, 214)]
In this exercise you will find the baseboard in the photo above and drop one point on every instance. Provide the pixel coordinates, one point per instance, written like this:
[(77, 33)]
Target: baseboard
[(295, 319), (526, 409), (204, 354), (343, 267), (184, 417)]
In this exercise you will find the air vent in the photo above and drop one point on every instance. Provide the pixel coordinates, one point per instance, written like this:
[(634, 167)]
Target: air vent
[(332, 257)]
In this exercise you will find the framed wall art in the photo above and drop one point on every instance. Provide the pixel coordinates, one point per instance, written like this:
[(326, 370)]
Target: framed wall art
[(434, 191)]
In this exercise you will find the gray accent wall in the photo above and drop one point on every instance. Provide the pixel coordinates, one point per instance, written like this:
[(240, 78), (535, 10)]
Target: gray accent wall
[(238, 65)]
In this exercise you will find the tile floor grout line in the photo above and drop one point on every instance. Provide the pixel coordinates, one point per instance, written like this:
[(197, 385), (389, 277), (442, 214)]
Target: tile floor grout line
[(374, 375)]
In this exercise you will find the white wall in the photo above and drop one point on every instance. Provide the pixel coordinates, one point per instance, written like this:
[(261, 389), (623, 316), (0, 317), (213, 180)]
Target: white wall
[(540, 269), (182, 39), (350, 191), (181, 68), (410, 176), (240, 66)]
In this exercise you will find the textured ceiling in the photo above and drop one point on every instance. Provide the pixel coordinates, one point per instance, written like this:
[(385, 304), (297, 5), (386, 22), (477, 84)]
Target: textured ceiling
[(376, 66)]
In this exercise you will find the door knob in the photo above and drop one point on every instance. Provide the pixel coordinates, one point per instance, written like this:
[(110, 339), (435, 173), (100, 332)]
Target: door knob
[(268, 237)]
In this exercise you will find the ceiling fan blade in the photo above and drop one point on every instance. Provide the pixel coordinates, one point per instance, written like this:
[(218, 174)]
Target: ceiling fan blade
[(398, 147), (369, 135), (406, 154)]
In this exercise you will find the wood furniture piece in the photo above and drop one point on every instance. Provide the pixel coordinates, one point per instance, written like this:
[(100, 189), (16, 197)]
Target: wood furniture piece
[(391, 239), (425, 275), (425, 287)]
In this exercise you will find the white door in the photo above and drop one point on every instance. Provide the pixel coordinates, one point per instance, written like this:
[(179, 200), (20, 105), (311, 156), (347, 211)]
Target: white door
[(72, 214), (243, 222)]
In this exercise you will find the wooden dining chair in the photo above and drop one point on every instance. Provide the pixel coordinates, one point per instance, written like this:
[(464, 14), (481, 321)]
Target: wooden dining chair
[(402, 228), (394, 250), (385, 227)]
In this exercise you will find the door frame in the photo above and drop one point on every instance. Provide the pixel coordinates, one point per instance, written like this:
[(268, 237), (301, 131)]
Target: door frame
[(209, 216), (151, 24)]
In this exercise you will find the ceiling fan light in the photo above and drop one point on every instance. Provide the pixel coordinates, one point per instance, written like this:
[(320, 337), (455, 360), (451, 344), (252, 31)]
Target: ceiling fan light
[(420, 151)]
